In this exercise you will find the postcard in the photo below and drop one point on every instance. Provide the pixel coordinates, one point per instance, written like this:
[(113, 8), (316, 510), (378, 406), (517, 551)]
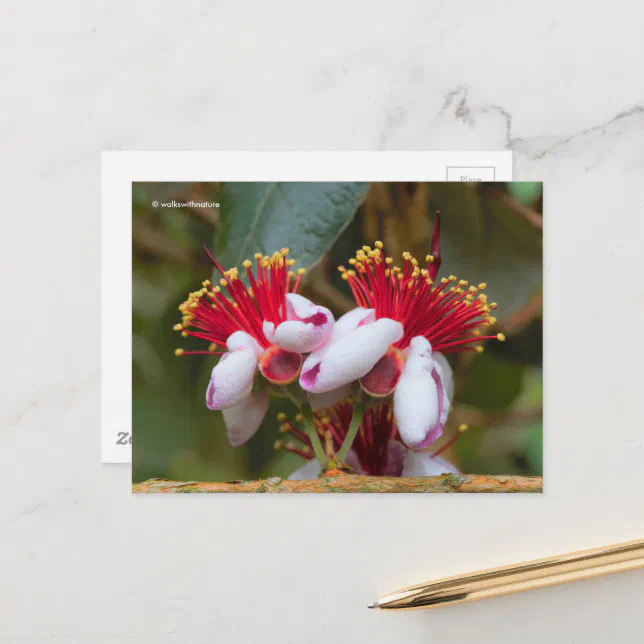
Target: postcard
[(351, 336)]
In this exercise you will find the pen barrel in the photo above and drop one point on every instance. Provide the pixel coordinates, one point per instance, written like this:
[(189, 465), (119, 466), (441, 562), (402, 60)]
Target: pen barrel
[(520, 577)]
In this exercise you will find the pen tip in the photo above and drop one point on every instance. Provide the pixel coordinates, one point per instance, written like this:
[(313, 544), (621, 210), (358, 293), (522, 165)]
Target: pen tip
[(374, 605)]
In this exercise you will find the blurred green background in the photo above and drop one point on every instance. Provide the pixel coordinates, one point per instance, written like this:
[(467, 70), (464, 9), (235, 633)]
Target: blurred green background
[(491, 232)]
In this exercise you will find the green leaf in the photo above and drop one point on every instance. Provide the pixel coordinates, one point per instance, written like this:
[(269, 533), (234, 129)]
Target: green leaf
[(264, 217), (484, 240), (525, 192)]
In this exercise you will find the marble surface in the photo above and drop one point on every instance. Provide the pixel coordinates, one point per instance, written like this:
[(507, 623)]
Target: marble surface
[(560, 84)]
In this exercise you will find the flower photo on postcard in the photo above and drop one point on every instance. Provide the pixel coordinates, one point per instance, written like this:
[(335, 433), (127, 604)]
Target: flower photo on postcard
[(337, 337)]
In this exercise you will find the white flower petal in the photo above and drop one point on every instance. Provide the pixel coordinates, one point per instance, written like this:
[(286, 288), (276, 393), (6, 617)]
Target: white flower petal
[(422, 464), (349, 358), (445, 372), (350, 322), (417, 407), (306, 328), (241, 340), (231, 379), (328, 399), (308, 472), (244, 419), (269, 331)]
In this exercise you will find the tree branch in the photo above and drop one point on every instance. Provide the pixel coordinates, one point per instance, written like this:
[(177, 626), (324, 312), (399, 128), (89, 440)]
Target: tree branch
[(342, 482)]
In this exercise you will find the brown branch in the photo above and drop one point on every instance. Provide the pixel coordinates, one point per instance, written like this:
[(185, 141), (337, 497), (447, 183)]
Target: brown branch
[(521, 318), (530, 215), (341, 482)]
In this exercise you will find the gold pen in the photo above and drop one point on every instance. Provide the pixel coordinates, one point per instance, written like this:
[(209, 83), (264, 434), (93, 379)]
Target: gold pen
[(516, 578)]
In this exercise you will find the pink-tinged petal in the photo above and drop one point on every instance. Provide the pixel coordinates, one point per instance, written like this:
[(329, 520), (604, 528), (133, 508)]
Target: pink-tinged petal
[(445, 372), (280, 367), (422, 464), (349, 358), (231, 379), (351, 321), (328, 399), (419, 399), (244, 419), (348, 323), (383, 378), (308, 472), (306, 328), (241, 340)]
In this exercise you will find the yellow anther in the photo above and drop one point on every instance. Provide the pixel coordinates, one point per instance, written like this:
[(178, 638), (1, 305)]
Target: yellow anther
[(299, 418), (389, 260), (342, 269), (452, 278), (500, 336), (284, 251), (205, 283), (462, 427), (366, 249), (379, 245), (177, 327), (178, 352), (278, 445), (414, 261), (462, 282), (281, 417), (216, 290), (301, 271), (344, 276), (473, 289), (353, 261), (283, 428), (351, 273), (482, 285), (469, 297), (247, 263), (184, 334), (491, 320), (444, 280), (478, 349), (429, 259), (223, 282), (194, 305)]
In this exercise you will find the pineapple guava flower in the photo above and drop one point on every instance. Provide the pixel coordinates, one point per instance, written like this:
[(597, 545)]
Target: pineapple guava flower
[(393, 343), (263, 326), (377, 449)]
